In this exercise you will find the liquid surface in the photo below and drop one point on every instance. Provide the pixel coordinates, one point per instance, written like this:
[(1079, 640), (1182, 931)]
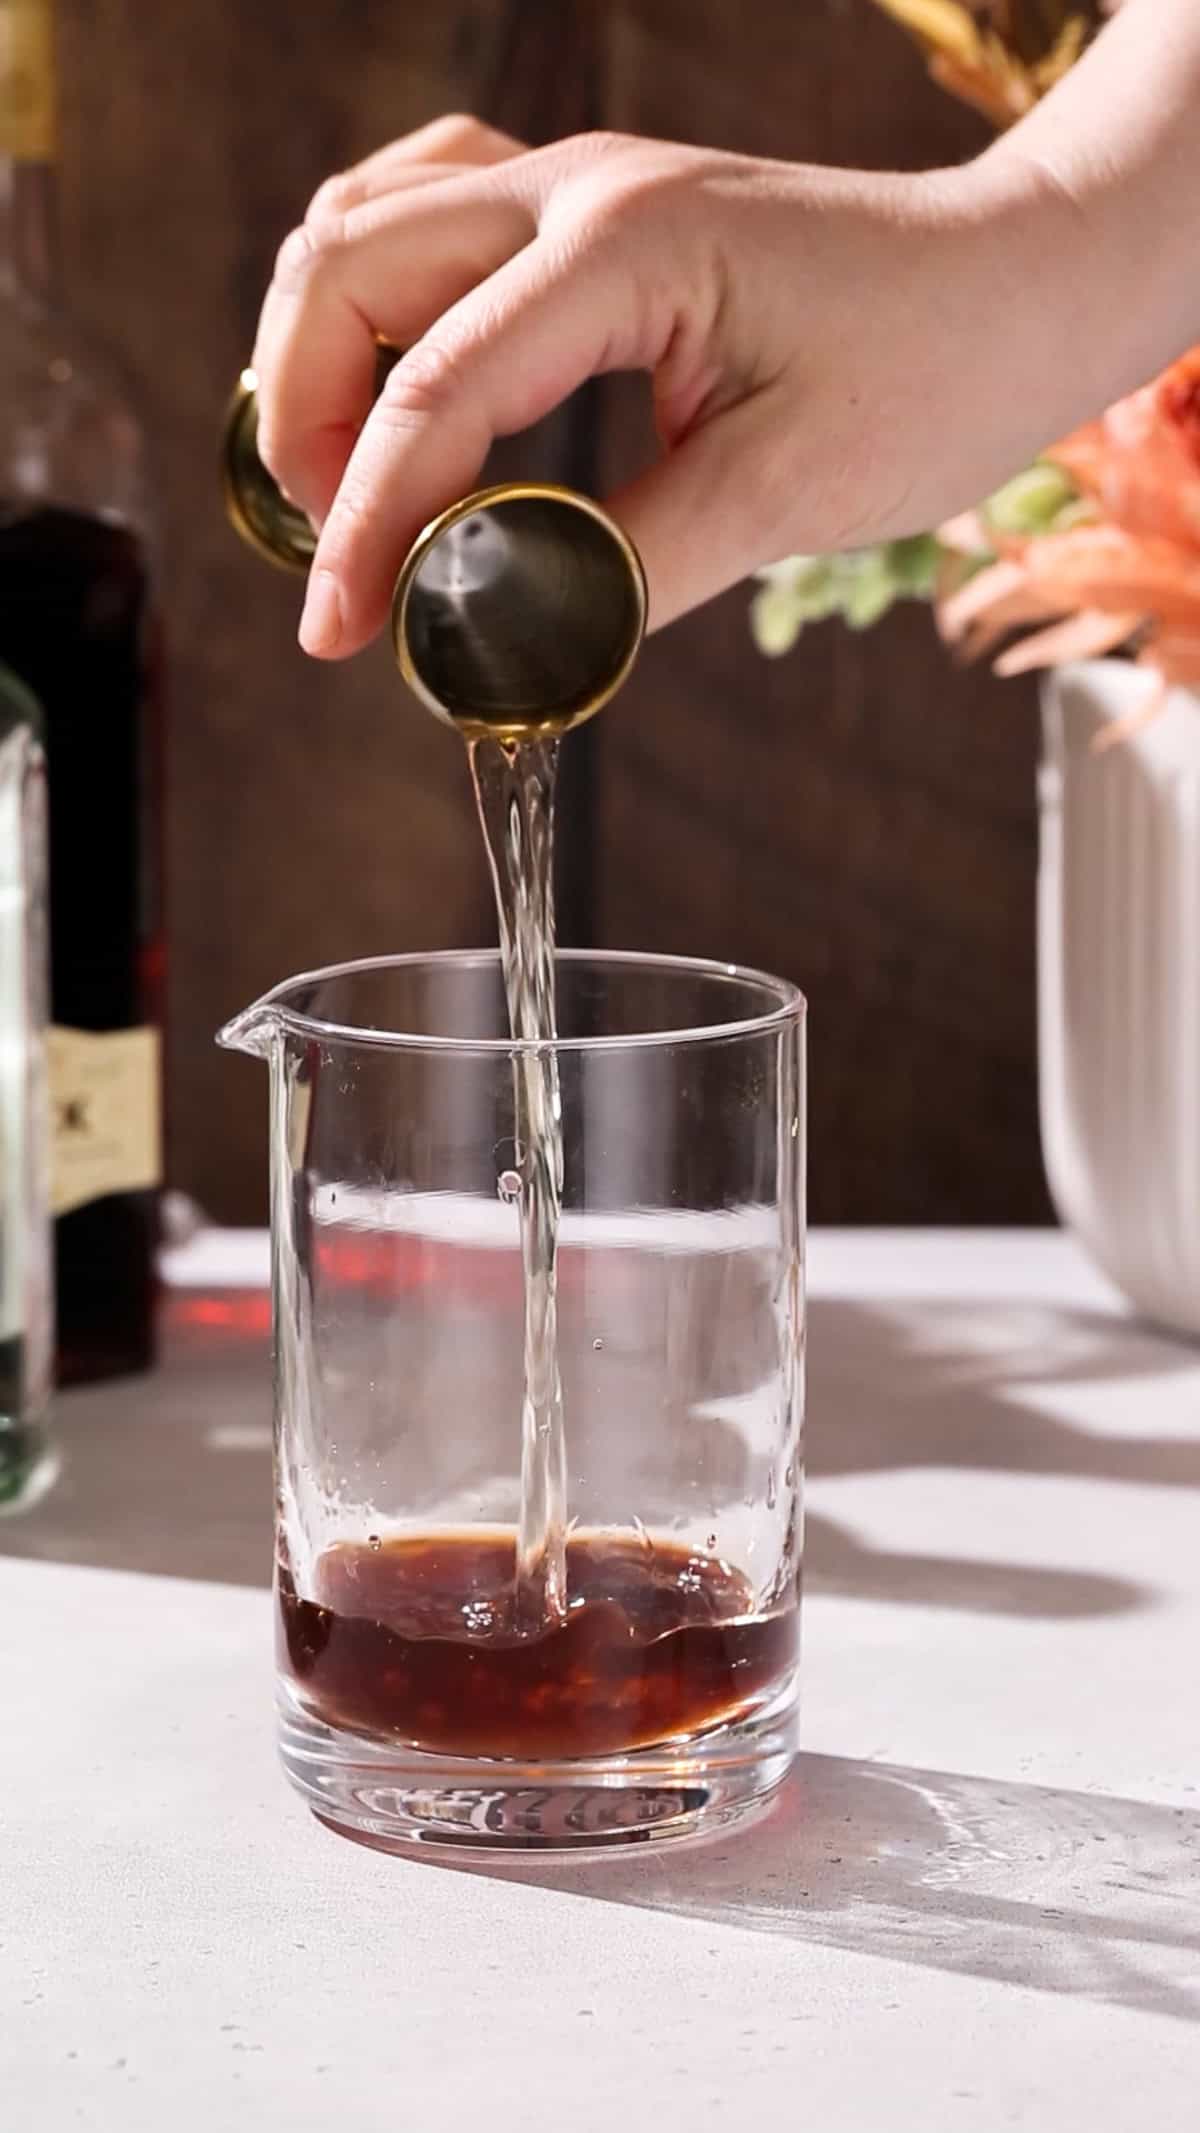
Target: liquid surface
[(416, 1639)]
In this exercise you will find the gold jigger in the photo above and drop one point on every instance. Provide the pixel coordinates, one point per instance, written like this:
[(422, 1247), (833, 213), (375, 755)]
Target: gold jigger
[(256, 506), (517, 613)]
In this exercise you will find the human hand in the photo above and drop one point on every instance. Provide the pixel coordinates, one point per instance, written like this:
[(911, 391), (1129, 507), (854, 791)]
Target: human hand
[(820, 345)]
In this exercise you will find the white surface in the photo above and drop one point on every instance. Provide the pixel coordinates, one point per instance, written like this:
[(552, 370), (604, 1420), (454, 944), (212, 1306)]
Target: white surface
[(1119, 981), (219, 1258), (995, 1265), (977, 1907)]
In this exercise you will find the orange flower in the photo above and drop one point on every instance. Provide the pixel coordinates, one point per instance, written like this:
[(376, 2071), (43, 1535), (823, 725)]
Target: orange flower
[(1125, 572), (1140, 463), (990, 55)]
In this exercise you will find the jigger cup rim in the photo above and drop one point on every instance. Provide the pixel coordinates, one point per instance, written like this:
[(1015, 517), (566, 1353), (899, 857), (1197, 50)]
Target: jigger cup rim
[(487, 499)]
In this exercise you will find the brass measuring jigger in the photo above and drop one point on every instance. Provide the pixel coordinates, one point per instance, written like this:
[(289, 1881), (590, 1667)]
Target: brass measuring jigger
[(517, 613)]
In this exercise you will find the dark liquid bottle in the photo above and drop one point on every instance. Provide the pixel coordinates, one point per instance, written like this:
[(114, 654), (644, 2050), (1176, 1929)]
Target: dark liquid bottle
[(77, 626)]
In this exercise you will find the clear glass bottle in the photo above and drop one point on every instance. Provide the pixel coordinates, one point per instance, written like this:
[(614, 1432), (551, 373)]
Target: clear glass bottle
[(77, 625), (26, 1282)]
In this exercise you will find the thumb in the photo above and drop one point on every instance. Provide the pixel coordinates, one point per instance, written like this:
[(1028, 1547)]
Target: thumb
[(700, 517), (499, 360)]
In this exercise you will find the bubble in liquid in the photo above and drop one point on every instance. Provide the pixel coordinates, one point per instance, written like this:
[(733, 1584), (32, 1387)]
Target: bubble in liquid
[(373, 1541), (508, 1185), (711, 1542), (597, 1345)]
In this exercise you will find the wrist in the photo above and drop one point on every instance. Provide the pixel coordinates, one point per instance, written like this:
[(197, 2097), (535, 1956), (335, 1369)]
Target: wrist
[(1074, 272), (1102, 178)]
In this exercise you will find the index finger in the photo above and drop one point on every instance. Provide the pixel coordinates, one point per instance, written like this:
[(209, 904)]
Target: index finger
[(495, 363), (454, 140), (384, 269)]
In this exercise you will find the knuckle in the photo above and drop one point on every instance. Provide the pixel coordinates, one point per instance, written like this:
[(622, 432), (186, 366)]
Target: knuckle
[(327, 230), (594, 146), (299, 256), (461, 137), (610, 181), (565, 169), (455, 129), (331, 200), (423, 384), (306, 251), (292, 259), (352, 525), (609, 218)]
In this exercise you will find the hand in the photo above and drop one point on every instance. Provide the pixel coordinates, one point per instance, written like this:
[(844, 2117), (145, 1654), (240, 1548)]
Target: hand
[(820, 344)]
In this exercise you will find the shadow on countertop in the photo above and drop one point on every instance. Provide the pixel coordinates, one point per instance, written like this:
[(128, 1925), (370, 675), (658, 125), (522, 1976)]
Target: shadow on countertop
[(1060, 1891), (170, 1475), (928, 1382)]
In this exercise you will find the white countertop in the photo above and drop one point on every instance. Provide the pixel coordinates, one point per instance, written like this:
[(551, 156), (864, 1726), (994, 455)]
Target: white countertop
[(977, 1906)]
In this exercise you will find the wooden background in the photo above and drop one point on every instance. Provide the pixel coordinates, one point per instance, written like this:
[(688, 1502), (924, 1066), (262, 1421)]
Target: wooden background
[(859, 817)]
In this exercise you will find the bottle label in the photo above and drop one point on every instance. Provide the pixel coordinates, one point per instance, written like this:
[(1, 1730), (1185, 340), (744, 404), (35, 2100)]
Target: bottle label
[(106, 1114), (27, 103)]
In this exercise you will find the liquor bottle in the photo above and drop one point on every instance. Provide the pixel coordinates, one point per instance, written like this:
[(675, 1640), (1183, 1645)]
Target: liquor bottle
[(26, 1277), (77, 625)]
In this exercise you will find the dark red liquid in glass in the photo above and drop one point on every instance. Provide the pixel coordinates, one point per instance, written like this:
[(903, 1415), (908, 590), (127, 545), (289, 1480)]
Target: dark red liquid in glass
[(412, 1640)]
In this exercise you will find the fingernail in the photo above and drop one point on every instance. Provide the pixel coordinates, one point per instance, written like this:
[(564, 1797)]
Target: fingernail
[(297, 502), (321, 622)]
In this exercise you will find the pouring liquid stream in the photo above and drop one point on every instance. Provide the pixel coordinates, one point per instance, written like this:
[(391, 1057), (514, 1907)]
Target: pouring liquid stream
[(517, 613), (514, 784)]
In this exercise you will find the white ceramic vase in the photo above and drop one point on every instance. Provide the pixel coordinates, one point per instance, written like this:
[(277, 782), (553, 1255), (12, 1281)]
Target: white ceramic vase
[(1119, 983)]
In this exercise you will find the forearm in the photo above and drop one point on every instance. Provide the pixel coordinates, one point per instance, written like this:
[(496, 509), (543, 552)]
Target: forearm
[(1104, 179)]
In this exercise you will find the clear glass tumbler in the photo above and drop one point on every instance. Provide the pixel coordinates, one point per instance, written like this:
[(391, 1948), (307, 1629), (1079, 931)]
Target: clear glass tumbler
[(416, 1701)]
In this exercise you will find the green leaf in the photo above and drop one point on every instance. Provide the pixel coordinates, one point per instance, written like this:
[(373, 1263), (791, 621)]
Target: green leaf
[(1031, 502), (915, 564), (776, 620), (869, 588), (859, 587)]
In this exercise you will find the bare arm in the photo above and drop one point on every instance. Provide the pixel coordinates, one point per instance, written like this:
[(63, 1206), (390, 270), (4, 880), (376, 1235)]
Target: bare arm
[(836, 357), (1104, 176)]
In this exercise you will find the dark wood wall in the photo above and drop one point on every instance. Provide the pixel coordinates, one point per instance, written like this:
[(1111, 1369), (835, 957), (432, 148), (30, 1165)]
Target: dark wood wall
[(859, 817)]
